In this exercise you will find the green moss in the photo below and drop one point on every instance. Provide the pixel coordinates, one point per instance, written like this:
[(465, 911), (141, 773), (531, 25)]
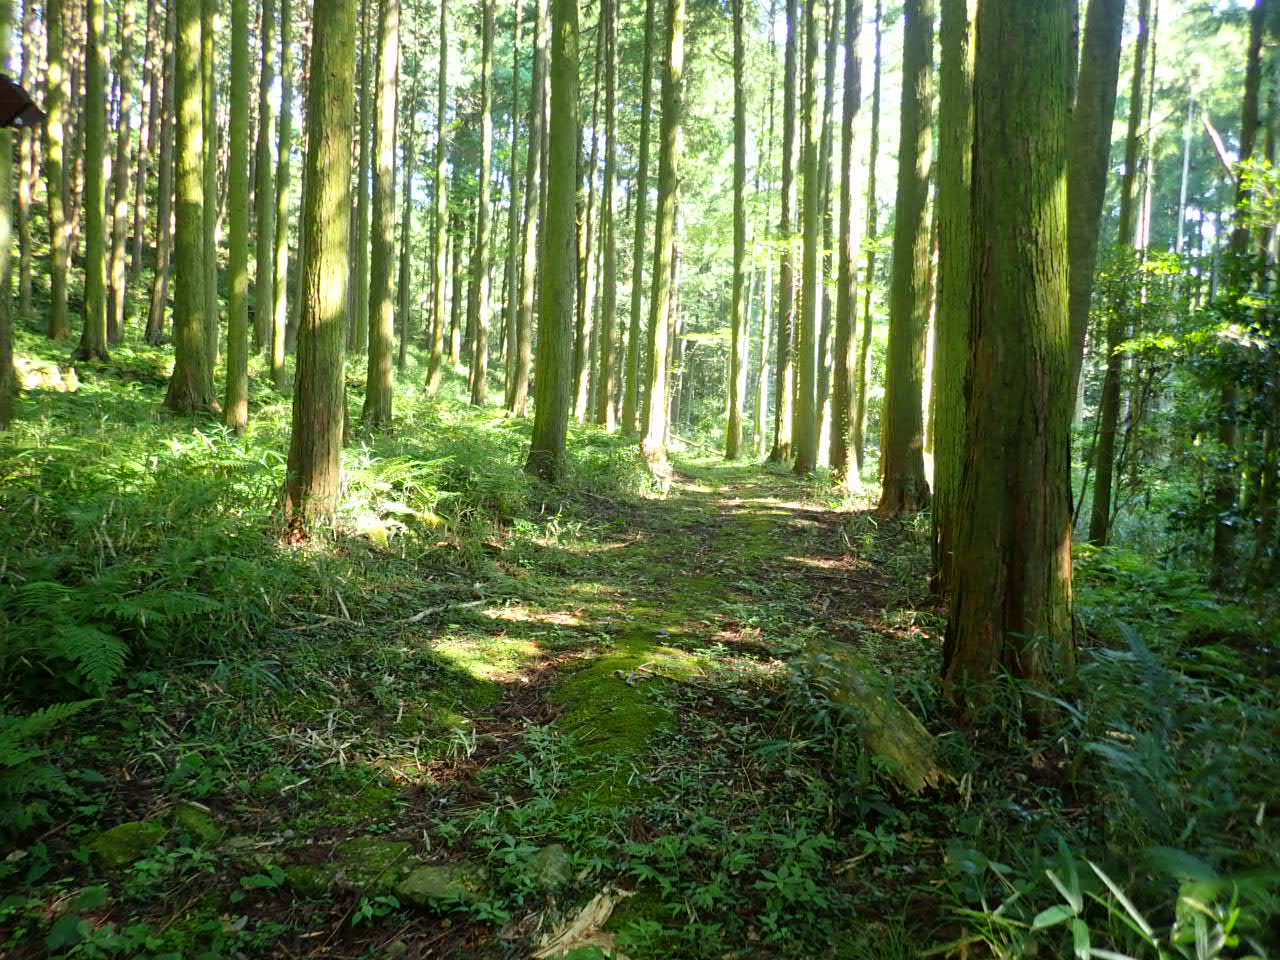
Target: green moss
[(199, 822), (443, 885), (372, 863), (309, 881), (123, 844)]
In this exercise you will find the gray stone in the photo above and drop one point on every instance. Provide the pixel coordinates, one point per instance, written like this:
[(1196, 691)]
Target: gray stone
[(552, 866), (443, 885)]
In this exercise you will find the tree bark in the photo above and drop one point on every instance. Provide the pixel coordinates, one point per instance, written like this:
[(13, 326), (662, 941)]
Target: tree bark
[(236, 397), (483, 250), (358, 289), (264, 196), (164, 185), (120, 213), (607, 373), (738, 312), (904, 488), (784, 369), (440, 244), (93, 338), (1011, 597), (315, 446), (860, 372), (284, 147), (56, 95), (553, 379), (208, 73), (805, 431)]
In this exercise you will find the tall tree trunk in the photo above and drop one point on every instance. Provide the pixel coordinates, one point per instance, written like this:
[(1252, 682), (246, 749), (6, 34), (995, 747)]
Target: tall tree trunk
[(483, 252), (585, 320), (842, 411), (264, 196), (784, 369), (631, 398), (738, 311), (805, 431), (532, 191), (553, 380), (826, 280), (382, 310), (608, 227), (955, 274), (408, 154), (1091, 122), (284, 147), (358, 288), (164, 186), (26, 166), (441, 216), (236, 402), (905, 489), (462, 237), (1011, 590), (120, 213), (191, 386), (873, 234), (654, 444), (148, 135), (208, 73), (514, 258), (315, 446), (1126, 235), (56, 95), (6, 316), (93, 339)]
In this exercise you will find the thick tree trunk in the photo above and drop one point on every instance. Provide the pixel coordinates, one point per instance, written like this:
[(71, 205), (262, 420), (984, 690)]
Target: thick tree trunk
[(236, 397), (904, 488), (315, 446), (553, 380), (842, 412), (93, 338), (1011, 595), (631, 400), (382, 310), (654, 445), (191, 386), (208, 73)]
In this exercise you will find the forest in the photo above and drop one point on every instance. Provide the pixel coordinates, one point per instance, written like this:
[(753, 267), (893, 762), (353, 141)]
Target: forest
[(639, 479)]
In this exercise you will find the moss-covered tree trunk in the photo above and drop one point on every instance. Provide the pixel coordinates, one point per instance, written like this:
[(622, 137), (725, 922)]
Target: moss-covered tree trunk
[(1091, 121), (1104, 452), (284, 148), (236, 396), (631, 398), (606, 366), (93, 337), (554, 373), (858, 439), (738, 309), (904, 488), (951, 343), (1011, 588), (533, 189), (382, 309), (483, 250), (315, 446), (805, 430), (654, 445), (191, 386), (784, 367), (842, 411), (120, 213), (440, 243), (164, 185), (56, 89), (264, 194)]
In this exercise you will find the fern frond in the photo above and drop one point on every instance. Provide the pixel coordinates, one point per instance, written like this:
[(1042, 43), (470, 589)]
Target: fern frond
[(99, 656)]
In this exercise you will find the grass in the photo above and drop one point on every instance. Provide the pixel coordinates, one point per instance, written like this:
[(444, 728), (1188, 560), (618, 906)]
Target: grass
[(473, 670)]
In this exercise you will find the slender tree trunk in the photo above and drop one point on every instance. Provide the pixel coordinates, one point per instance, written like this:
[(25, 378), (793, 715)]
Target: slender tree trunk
[(56, 94), (784, 370), (826, 280), (483, 252), (358, 289), (1091, 122), (631, 398), (236, 402), (408, 154), (120, 213), (264, 195), (93, 339), (905, 489), (284, 148), (842, 409), (462, 235), (738, 312), (533, 189), (382, 312), (164, 191), (654, 445), (805, 431), (586, 263), (315, 446), (608, 228), (511, 301), (148, 135), (1126, 235), (1011, 592), (873, 234), (553, 382), (441, 242), (191, 386), (26, 169), (208, 73), (6, 184)]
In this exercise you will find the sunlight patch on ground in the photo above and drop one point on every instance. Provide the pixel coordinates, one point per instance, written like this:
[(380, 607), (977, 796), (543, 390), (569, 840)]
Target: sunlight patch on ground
[(522, 614), (487, 657)]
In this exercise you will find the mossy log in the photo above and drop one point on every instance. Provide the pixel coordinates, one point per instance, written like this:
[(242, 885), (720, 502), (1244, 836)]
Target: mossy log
[(888, 728)]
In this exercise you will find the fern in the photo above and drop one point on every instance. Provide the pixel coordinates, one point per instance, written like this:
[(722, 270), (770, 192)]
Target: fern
[(16, 731), (98, 656), (23, 779)]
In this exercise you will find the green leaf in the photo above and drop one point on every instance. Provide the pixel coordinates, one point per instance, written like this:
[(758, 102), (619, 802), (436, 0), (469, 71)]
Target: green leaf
[(91, 898), (1051, 917), (1080, 938), (68, 930)]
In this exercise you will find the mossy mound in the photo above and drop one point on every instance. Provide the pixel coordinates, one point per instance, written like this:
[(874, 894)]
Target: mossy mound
[(443, 885), (123, 844), (199, 822)]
